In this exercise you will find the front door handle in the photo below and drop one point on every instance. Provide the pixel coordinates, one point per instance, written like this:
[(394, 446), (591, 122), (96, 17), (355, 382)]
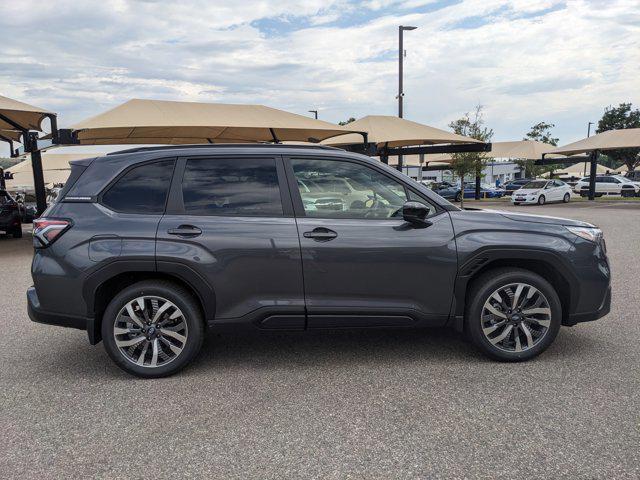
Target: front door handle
[(185, 231), (321, 234)]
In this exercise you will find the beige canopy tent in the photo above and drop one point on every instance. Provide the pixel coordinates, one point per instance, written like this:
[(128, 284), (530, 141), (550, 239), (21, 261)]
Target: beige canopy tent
[(17, 116), (397, 132), (578, 170), (166, 122), (17, 119), (522, 149), (55, 166), (609, 140)]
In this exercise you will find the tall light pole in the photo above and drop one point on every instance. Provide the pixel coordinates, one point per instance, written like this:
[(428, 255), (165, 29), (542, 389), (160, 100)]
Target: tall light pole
[(401, 30), (315, 113)]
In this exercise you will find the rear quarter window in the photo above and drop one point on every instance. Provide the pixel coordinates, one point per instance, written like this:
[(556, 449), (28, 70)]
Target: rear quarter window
[(142, 189)]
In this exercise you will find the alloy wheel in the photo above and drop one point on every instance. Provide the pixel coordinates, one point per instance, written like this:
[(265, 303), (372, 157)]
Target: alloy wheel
[(150, 331), (515, 317)]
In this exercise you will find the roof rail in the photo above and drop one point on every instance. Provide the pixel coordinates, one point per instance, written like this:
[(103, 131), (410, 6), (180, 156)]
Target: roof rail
[(221, 145)]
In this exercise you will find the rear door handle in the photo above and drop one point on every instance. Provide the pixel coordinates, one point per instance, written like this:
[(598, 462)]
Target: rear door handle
[(321, 234), (185, 231)]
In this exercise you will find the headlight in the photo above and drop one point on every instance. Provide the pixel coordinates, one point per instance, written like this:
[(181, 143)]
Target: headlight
[(588, 233)]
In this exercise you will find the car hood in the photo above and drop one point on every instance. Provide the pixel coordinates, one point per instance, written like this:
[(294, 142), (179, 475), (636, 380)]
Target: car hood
[(527, 191), (523, 217)]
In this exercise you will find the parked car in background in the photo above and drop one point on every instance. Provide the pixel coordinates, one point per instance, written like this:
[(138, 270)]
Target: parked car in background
[(634, 176), (541, 192), (609, 185), (10, 221), (485, 192), (447, 190), (27, 206), (514, 185)]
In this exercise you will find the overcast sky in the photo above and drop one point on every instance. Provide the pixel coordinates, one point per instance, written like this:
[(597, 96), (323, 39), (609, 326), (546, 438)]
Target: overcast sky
[(526, 61)]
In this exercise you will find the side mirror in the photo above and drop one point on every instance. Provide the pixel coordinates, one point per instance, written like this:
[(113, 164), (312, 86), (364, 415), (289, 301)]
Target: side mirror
[(416, 214)]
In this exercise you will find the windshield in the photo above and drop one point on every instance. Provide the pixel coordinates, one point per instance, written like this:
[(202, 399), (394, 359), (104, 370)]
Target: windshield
[(534, 185)]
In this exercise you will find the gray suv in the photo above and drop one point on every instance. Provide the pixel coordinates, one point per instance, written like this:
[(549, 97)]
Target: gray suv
[(147, 248)]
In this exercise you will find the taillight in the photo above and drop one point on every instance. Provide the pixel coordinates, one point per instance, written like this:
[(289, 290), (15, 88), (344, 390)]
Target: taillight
[(47, 230)]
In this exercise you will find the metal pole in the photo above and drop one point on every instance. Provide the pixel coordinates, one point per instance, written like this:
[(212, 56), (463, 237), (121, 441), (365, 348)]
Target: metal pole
[(3, 185), (400, 57), (400, 73), (30, 142), (588, 135), (592, 175), (315, 113)]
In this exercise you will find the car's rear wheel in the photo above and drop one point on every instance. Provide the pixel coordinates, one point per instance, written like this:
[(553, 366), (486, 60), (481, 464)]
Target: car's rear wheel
[(541, 200), (513, 314), (152, 328), (458, 197), (566, 198)]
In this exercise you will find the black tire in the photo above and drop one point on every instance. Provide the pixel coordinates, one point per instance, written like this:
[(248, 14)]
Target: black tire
[(627, 192), (17, 232), (566, 198), (458, 197), (481, 290), (174, 293), (541, 200), (516, 203)]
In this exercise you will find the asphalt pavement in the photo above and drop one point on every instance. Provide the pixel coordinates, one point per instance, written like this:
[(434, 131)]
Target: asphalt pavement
[(341, 404)]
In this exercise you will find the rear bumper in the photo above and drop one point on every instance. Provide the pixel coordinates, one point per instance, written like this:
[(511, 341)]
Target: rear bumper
[(604, 309), (36, 314)]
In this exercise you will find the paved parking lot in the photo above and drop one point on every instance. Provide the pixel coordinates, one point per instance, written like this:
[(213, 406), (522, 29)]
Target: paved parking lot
[(365, 404)]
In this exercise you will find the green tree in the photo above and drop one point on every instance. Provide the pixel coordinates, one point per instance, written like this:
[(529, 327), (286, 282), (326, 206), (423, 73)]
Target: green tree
[(540, 132), (351, 119), (470, 125), (616, 118)]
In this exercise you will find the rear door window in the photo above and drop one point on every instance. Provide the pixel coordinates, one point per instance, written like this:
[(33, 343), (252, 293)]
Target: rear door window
[(143, 189), (233, 187)]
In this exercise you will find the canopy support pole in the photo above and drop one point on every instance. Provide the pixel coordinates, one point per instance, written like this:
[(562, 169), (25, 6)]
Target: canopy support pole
[(273, 134), (592, 175), (30, 142), (3, 185)]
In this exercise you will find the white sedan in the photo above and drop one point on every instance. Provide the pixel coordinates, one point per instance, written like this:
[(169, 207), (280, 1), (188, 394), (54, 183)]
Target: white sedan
[(541, 192), (609, 185)]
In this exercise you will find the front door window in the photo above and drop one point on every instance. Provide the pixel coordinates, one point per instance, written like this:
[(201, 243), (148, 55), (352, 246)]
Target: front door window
[(339, 189)]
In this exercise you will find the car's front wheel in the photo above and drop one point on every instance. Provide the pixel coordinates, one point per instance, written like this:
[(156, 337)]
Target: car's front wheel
[(458, 197), (152, 328), (541, 200), (513, 314)]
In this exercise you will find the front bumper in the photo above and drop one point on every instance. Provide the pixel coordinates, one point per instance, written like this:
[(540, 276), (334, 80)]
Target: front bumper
[(527, 199), (36, 314), (604, 309)]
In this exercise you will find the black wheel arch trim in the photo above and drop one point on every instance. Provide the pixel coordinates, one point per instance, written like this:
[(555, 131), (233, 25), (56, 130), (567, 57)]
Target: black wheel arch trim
[(182, 272), (484, 257)]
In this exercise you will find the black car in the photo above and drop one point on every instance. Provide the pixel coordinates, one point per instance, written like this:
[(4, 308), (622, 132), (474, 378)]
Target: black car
[(514, 185), (9, 215), (147, 248)]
